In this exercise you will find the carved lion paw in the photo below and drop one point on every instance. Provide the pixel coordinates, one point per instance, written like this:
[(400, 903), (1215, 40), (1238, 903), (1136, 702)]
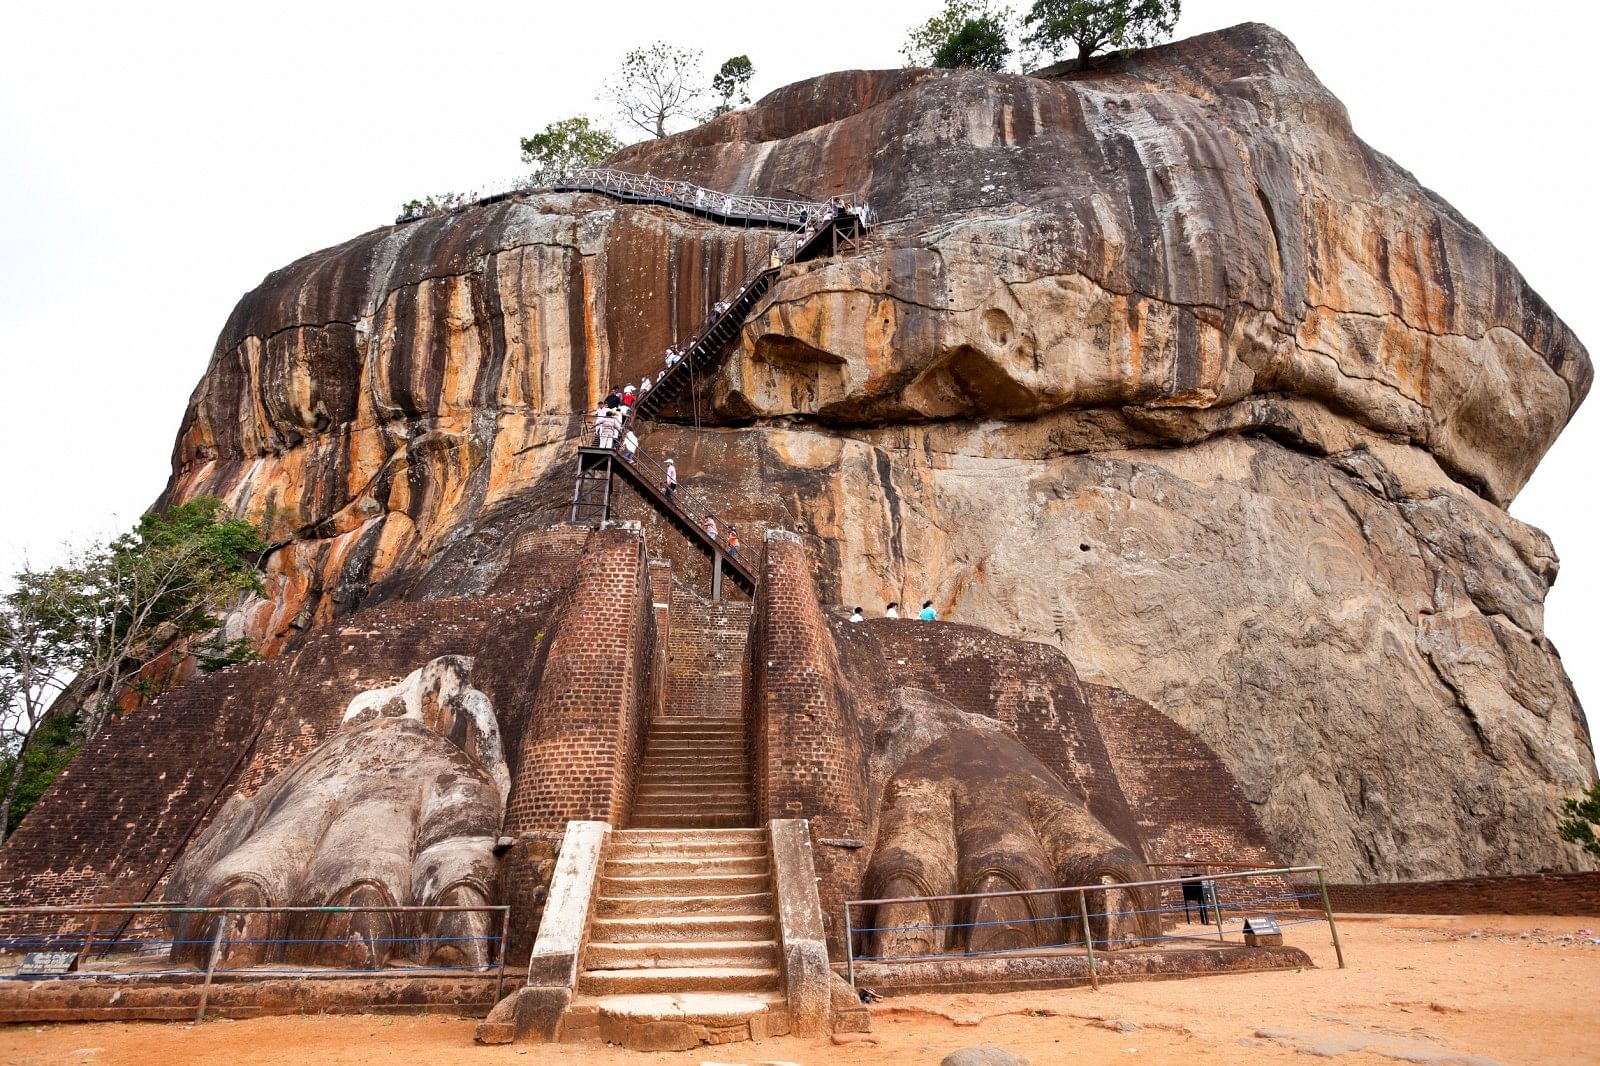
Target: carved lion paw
[(966, 808), (400, 807)]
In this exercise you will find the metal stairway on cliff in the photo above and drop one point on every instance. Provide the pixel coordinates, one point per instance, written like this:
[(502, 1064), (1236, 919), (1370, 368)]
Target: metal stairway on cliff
[(821, 229)]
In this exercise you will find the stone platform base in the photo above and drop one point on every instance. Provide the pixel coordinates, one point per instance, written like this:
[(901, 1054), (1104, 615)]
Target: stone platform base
[(178, 999), (644, 1022), (677, 1022), (1011, 973)]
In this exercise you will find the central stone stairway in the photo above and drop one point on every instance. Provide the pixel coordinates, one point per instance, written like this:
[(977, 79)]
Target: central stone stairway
[(683, 948), (694, 776)]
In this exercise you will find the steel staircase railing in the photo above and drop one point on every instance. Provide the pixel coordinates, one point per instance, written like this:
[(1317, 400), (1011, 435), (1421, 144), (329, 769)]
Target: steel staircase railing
[(706, 348), (626, 185)]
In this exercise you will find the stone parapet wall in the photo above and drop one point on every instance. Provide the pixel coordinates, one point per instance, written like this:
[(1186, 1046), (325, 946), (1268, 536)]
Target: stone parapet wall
[(602, 683), (1553, 894), (806, 753)]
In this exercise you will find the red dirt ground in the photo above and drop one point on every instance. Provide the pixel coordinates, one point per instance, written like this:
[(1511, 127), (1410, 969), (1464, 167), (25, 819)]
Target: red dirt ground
[(1450, 991)]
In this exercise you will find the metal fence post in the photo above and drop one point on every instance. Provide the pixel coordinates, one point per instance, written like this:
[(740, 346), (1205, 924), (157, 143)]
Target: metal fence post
[(849, 947), (505, 935), (1216, 905), (211, 964), (1327, 911), (1088, 938)]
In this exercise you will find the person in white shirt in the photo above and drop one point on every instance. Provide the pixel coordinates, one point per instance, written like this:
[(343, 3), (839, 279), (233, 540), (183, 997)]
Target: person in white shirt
[(856, 615), (892, 611), (644, 384)]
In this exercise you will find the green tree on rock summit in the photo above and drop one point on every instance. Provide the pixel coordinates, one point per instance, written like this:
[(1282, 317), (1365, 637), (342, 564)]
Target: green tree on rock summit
[(967, 33), (1096, 26), (565, 146), (732, 83)]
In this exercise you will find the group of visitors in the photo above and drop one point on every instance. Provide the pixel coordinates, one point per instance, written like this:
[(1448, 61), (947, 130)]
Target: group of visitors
[(613, 417), (730, 546), (926, 614)]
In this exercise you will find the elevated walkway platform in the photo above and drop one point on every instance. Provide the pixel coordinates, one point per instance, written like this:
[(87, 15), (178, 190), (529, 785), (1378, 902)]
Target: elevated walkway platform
[(591, 504)]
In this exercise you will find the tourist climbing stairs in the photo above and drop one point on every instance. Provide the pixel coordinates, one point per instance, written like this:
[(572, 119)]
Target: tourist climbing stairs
[(592, 495), (819, 229)]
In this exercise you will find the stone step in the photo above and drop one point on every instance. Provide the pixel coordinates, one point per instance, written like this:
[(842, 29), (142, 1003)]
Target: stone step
[(706, 797), (674, 785), (696, 719), (719, 803), (678, 979), (664, 928), (692, 769), (692, 762), (695, 726), (640, 955), (688, 850), (707, 884), (679, 757), (668, 750), (695, 1008), (726, 801), (692, 821), (666, 865), (689, 836), (703, 906), (684, 783)]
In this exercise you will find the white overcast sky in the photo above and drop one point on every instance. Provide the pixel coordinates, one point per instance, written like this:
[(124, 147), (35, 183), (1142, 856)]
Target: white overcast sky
[(157, 159)]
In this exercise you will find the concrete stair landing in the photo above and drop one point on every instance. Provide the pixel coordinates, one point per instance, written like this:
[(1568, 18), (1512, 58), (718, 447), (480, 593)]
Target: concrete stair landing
[(683, 948)]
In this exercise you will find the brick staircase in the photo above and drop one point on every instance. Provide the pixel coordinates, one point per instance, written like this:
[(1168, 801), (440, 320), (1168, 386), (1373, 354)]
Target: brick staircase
[(683, 947), (705, 655), (695, 775)]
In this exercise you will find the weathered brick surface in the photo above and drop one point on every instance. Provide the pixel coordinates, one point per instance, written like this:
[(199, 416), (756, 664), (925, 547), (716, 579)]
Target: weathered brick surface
[(807, 759), (1184, 799), (706, 655), (1576, 894), (601, 684)]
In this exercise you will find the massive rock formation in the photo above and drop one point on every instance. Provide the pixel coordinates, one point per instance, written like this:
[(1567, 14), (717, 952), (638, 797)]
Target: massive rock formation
[(1159, 363)]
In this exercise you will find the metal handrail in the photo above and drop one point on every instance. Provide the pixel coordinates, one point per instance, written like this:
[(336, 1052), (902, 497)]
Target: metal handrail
[(689, 195), (688, 504), (90, 941), (626, 184)]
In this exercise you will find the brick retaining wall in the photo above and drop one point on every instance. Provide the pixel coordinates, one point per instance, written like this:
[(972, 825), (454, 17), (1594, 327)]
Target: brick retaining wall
[(1575, 894), (586, 731), (706, 655)]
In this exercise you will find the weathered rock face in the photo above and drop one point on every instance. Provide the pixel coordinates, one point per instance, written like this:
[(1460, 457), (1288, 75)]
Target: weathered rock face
[(1159, 363)]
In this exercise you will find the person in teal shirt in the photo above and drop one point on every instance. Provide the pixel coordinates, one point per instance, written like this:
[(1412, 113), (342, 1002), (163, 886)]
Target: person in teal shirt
[(926, 614)]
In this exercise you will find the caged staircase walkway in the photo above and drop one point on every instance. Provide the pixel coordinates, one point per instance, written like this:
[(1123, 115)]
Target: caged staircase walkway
[(821, 229)]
